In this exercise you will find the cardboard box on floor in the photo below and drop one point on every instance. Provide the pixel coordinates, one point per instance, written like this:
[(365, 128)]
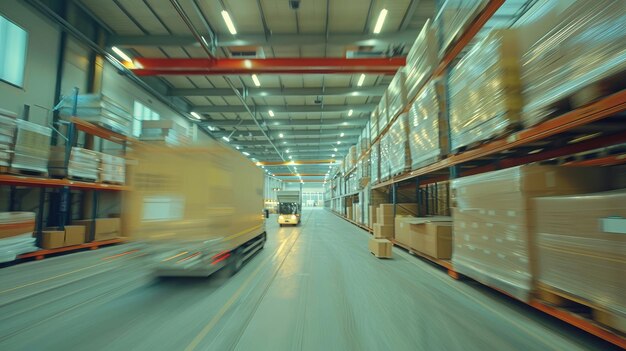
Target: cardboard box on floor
[(381, 248), (105, 228), (52, 239), (382, 231)]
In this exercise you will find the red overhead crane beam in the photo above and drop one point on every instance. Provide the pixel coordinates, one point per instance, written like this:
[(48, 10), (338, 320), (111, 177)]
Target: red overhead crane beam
[(318, 65)]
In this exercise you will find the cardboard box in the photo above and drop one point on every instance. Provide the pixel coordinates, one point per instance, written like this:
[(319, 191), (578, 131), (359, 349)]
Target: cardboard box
[(438, 240), (52, 239), (402, 209), (383, 231), (74, 235), (385, 220), (373, 213), (105, 228), (418, 232), (381, 248), (402, 232)]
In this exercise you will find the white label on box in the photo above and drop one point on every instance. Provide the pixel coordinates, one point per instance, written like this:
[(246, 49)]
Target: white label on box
[(490, 225), (498, 240), (510, 213), (488, 252), (492, 212), (482, 212), (474, 225), (615, 225), (502, 256), (485, 237)]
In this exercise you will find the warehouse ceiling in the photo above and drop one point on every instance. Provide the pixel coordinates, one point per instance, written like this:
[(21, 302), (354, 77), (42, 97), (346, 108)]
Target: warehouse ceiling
[(313, 116)]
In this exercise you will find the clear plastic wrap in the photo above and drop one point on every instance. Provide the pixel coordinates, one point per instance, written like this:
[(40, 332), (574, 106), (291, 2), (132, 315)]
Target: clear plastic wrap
[(7, 136), (427, 134), (32, 147), (578, 46), (113, 169), (374, 124), (101, 110), (365, 138), (494, 221), (165, 132), (453, 19), (385, 155), (399, 151), (83, 163), (421, 60), (375, 163), (383, 113), (396, 94), (351, 158), (577, 254), (485, 90)]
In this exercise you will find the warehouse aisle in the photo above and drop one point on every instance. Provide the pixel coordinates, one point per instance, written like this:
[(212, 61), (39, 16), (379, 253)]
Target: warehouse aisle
[(314, 287)]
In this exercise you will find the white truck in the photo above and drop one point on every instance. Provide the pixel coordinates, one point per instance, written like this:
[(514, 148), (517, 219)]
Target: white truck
[(289, 207), (196, 209)]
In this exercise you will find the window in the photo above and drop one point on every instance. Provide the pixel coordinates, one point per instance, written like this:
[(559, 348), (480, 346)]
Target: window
[(142, 113), (13, 43)]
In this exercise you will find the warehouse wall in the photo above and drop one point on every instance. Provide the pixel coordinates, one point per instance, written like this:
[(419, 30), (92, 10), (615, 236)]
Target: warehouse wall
[(41, 63)]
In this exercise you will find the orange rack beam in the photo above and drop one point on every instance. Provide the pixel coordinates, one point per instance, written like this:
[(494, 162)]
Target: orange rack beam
[(40, 254), (56, 183), (103, 133)]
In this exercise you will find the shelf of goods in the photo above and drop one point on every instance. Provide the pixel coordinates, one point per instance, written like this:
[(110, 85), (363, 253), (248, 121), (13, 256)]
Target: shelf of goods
[(64, 175), (500, 148)]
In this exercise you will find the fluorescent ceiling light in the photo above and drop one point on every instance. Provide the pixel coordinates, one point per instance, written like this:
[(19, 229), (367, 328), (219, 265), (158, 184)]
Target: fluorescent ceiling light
[(271, 114), (287, 151), (248, 64), (237, 147), (281, 135), (298, 174), (341, 135), (335, 151), (333, 155), (246, 153), (256, 81), (379, 22), (284, 142), (361, 79), (339, 142), (226, 138), (121, 54), (258, 163), (229, 23), (196, 115), (290, 157), (350, 113)]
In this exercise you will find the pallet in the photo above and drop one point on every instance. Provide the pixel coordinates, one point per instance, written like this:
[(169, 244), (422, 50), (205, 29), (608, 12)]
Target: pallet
[(26, 173), (110, 182), (588, 309), (510, 129), (94, 245)]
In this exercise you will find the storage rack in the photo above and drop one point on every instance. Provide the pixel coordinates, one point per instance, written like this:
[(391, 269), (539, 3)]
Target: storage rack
[(64, 186), (555, 137)]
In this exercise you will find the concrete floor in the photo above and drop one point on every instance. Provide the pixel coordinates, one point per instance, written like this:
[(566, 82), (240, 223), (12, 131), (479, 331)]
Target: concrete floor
[(313, 287)]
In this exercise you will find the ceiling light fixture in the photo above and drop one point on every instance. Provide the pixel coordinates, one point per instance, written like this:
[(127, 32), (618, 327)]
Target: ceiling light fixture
[(226, 138), (341, 135), (350, 112), (290, 157), (229, 23), (281, 135), (271, 114), (196, 115), (380, 21), (335, 151), (287, 151), (333, 155), (256, 81), (246, 153), (338, 142), (121, 54), (361, 80), (284, 142)]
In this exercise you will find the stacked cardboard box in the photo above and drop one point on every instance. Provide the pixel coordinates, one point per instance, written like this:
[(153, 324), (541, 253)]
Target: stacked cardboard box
[(101, 110), (581, 247), (384, 156), (103, 228), (421, 60), (428, 135), (375, 163), (83, 163), (16, 234), (374, 124), (429, 235), (113, 169), (349, 212), (399, 151), (494, 220), (372, 216), (164, 132), (381, 248), (491, 69), (569, 47), (396, 94), (32, 147), (383, 116), (71, 235), (453, 19), (7, 136)]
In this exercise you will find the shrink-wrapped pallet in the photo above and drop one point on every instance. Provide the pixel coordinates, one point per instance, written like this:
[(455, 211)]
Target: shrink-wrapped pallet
[(485, 91), (32, 147), (164, 132), (16, 234), (365, 138), (83, 163), (581, 247), (385, 155), (453, 19), (7, 136), (383, 113), (494, 221), (421, 60), (399, 151), (101, 110), (375, 163), (374, 124), (113, 169), (396, 94), (572, 55), (428, 137)]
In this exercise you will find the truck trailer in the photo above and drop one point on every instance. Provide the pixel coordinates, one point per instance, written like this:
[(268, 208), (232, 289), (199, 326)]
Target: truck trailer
[(289, 207), (196, 209)]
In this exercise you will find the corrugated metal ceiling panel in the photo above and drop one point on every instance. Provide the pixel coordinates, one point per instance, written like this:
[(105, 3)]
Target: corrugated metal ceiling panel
[(280, 18), (113, 16)]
